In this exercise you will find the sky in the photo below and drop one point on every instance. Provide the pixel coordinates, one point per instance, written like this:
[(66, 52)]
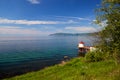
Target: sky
[(44, 17)]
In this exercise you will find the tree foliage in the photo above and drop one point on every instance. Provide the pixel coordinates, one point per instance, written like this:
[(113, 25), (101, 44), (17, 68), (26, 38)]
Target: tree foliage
[(109, 37)]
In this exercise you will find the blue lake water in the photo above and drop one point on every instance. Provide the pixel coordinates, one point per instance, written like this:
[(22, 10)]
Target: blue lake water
[(19, 55)]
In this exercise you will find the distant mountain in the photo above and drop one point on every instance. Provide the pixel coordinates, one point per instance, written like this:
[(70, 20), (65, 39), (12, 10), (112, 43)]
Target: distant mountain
[(71, 34)]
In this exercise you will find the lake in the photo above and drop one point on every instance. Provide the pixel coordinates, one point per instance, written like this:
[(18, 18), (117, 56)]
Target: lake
[(20, 55)]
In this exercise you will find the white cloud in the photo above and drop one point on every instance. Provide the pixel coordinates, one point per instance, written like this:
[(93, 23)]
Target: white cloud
[(84, 19), (10, 27), (34, 1), (68, 22), (71, 21), (82, 29), (26, 22), (18, 30), (32, 22), (72, 17)]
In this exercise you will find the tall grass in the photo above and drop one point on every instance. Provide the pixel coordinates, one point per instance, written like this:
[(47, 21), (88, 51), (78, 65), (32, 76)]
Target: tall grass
[(76, 69)]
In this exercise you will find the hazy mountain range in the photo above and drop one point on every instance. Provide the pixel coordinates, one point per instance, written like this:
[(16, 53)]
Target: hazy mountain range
[(71, 34)]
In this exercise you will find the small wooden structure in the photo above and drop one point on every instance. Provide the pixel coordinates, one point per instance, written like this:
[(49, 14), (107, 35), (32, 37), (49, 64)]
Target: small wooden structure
[(82, 49)]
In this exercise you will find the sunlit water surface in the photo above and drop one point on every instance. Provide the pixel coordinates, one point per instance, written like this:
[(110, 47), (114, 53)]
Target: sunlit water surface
[(19, 55)]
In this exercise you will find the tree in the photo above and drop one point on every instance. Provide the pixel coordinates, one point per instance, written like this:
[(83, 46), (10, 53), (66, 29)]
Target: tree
[(109, 37)]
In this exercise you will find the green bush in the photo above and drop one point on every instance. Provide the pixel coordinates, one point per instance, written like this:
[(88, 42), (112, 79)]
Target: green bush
[(94, 56)]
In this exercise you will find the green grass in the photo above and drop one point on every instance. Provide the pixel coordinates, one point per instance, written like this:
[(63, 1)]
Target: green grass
[(76, 69)]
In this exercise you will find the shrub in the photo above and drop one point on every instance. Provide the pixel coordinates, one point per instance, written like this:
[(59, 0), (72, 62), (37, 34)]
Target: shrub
[(94, 56)]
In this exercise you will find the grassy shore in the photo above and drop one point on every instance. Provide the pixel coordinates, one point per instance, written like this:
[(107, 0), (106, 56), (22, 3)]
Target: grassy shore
[(76, 69)]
